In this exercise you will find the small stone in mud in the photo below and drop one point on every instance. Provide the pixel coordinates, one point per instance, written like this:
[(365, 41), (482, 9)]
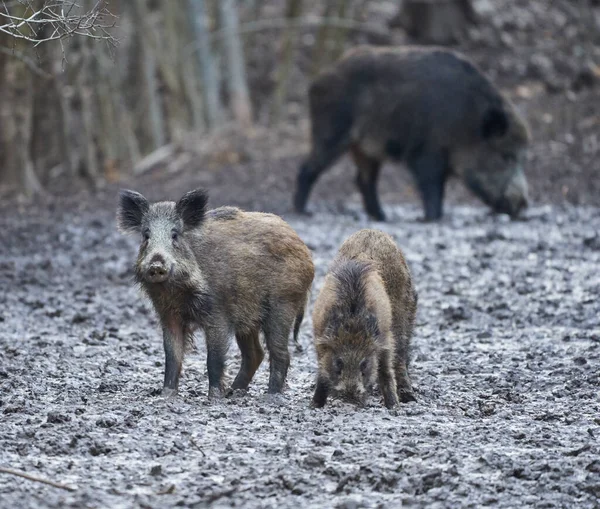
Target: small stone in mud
[(108, 387), (79, 318), (98, 449), (106, 422), (354, 502), (592, 241), (57, 418), (456, 313), (156, 470), (314, 460)]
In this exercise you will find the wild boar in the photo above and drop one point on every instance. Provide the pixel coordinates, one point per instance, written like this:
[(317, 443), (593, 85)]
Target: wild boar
[(428, 108), (363, 322), (225, 271)]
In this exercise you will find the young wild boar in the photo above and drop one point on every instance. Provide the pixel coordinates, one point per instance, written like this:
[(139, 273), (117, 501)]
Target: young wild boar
[(225, 271), (429, 108), (363, 322)]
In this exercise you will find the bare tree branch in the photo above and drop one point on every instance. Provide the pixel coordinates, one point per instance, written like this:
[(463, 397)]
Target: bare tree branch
[(55, 20)]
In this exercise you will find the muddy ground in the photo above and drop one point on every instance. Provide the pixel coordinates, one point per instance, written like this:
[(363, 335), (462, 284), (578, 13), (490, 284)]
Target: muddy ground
[(506, 370)]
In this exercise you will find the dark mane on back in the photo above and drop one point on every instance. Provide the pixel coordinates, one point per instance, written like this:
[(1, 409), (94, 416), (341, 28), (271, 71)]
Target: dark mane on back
[(350, 276)]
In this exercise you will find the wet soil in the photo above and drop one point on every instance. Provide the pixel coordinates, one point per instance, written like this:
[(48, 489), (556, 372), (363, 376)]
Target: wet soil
[(505, 366)]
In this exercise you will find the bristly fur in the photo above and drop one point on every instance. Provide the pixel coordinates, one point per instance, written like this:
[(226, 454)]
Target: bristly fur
[(217, 269), (223, 213), (429, 108), (363, 320), (348, 313)]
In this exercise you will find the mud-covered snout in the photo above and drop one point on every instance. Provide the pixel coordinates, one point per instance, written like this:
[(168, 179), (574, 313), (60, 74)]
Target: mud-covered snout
[(515, 197), (506, 192), (511, 207), (354, 394), (157, 269)]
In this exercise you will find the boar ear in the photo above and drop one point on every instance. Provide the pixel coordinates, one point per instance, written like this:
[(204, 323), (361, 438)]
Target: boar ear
[(495, 123), (132, 208), (192, 207)]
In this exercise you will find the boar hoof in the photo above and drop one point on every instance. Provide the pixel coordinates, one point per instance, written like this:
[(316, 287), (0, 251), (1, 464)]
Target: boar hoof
[(168, 393), (406, 396), (215, 393), (377, 216), (236, 393)]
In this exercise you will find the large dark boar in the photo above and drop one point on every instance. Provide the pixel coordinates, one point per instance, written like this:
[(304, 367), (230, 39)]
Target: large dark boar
[(225, 271), (429, 108), (363, 321)]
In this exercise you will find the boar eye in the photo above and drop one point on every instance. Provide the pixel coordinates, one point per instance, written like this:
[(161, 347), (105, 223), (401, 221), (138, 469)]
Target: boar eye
[(338, 366), (174, 236), (146, 234), (364, 365)]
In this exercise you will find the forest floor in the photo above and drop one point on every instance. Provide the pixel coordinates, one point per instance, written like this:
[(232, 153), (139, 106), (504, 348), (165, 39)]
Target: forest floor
[(506, 370), (506, 360)]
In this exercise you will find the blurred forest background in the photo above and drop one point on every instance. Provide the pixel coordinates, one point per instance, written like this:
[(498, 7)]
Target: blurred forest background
[(96, 91)]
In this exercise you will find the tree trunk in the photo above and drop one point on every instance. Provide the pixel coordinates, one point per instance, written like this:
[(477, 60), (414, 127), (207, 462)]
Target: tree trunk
[(320, 51), (293, 10), (16, 119), (210, 84), (234, 55), (157, 127), (435, 21)]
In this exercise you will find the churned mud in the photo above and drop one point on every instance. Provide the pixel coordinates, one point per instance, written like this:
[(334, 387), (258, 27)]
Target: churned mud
[(505, 366)]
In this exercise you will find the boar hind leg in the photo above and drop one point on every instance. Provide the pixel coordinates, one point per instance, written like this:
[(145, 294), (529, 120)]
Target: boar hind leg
[(174, 340), (387, 381), (252, 356), (404, 386), (277, 330), (366, 180), (216, 347), (430, 170)]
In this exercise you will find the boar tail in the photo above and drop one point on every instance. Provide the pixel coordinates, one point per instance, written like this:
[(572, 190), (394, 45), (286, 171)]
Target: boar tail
[(297, 323)]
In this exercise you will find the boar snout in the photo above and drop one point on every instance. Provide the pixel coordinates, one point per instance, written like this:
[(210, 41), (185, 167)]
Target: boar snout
[(157, 271), (516, 196), (352, 394), (512, 208)]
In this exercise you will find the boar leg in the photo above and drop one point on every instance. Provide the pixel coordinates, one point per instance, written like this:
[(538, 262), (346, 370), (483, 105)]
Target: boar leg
[(317, 162), (216, 347), (277, 330), (321, 392), (430, 170), (252, 356), (366, 181), (405, 390), (174, 338), (387, 382)]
